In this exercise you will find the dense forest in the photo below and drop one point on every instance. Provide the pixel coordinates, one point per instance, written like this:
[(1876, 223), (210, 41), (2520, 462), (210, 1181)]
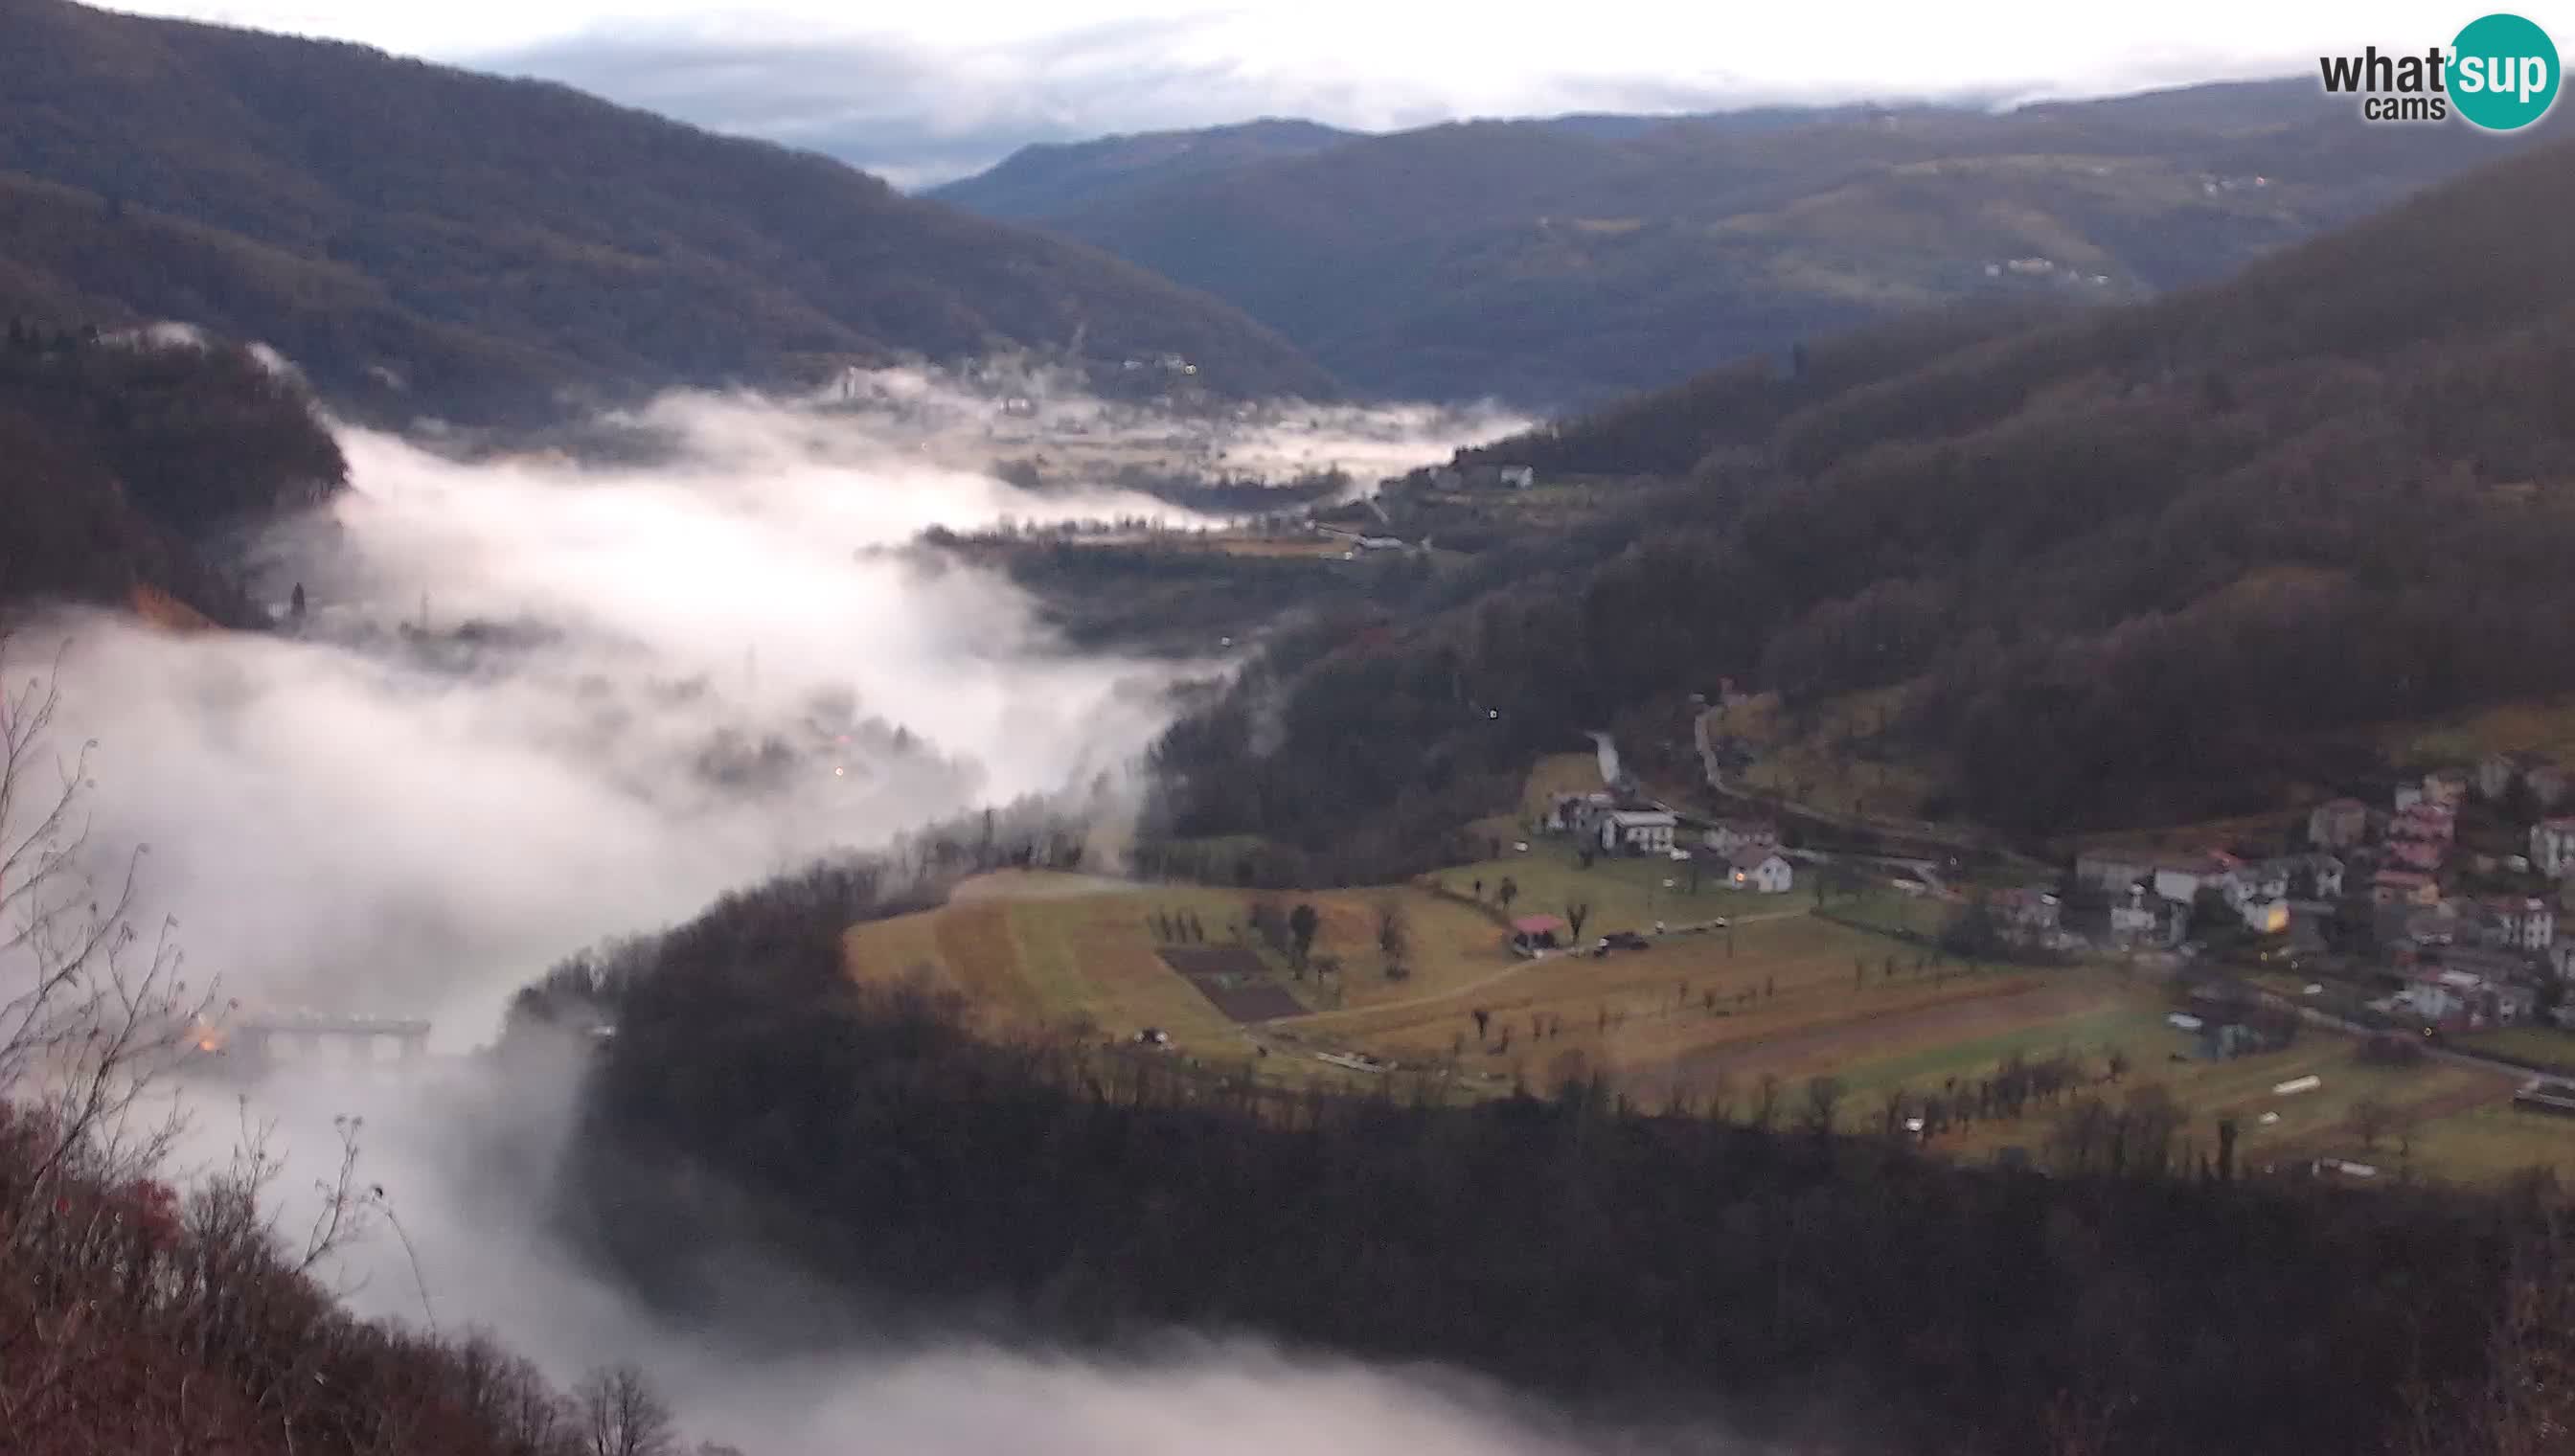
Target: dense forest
[(1718, 1262), (2135, 566), (426, 241), (122, 457), (1564, 261)]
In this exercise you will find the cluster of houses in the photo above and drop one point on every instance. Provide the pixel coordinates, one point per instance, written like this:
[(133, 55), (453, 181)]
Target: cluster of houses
[(2465, 959), (1481, 477), (1742, 854)]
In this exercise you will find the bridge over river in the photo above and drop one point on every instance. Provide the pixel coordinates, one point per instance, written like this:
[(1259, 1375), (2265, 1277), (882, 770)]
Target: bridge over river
[(263, 1041)]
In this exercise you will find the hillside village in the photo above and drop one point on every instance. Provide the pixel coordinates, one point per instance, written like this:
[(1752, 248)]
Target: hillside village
[(2435, 902)]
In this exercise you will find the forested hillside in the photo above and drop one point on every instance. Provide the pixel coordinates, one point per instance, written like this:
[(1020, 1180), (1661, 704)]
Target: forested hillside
[(1038, 181), (1552, 262), (2135, 565), (121, 456), (429, 240)]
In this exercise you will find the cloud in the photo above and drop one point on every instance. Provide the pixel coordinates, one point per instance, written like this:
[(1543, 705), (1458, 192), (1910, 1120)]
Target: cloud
[(920, 109), (912, 113), (935, 92)]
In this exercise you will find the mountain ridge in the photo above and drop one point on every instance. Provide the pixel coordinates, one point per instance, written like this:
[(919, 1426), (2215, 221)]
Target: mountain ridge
[(1552, 265), (516, 226)]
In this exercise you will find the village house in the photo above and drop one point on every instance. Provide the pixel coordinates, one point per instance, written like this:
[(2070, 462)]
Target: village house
[(2338, 823), (2552, 847), (1637, 830), (2404, 886), (2498, 772), (2426, 821), (2114, 869), (2455, 999), (2183, 877), (2139, 919), (2561, 959), (2487, 962), (1727, 835), (2027, 911), (2440, 925), (1518, 476), (2547, 784), (2408, 795), (2523, 924), (2256, 882), (1760, 869), (2422, 856), (2448, 787), (1578, 812), (2323, 875)]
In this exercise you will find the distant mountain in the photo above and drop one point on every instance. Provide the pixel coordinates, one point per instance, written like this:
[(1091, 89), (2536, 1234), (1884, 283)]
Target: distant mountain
[(431, 240), (1049, 179), (1566, 260)]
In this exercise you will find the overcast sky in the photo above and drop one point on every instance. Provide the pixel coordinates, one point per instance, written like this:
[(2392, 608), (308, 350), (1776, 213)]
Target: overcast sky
[(925, 92)]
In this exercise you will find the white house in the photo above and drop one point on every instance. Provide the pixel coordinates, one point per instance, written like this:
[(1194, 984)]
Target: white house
[(1518, 476), (2278, 878), (1637, 830), (2552, 847), (2260, 882), (2532, 922), (1761, 870)]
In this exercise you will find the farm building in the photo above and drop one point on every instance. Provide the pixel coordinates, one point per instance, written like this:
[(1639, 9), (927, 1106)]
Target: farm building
[(1637, 830), (2338, 823), (1761, 870)]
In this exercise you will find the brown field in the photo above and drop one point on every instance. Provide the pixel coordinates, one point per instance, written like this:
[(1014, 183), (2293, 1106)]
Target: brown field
[(1637, 1016), (1781, 994)]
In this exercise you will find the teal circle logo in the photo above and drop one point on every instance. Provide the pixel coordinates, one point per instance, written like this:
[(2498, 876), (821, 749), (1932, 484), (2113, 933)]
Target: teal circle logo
[(2503, 72)]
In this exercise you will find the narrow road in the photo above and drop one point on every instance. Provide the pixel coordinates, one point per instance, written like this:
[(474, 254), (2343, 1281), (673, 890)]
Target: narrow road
[(1919, 831), (2450, 1056)]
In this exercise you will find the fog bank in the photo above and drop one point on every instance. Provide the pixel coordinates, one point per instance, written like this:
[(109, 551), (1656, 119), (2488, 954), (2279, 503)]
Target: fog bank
[(537, 700)]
